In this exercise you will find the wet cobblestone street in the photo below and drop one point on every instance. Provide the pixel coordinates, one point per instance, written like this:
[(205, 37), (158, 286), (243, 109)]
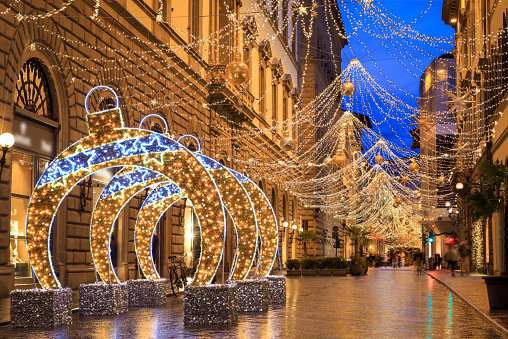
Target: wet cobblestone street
[(384, 304)]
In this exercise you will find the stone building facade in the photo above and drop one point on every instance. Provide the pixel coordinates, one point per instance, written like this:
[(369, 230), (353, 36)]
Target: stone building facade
[(481, 46), (167, 60)]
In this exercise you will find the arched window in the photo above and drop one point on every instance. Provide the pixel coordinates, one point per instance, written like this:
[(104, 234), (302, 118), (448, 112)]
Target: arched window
[(192, 147), (284, 208), (274, 197), (222, 162), (32, 90), (260, 185)]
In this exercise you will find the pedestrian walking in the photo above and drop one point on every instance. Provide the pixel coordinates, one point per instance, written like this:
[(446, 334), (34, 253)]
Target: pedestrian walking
[(417, 259), (465, 254), (452, 256), (437, 260)]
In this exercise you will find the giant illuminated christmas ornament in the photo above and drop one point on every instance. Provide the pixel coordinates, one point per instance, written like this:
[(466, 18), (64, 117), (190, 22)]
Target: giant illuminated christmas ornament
[(267, 223), (237, 203), (114, 197), (111, 144), (157, 202)]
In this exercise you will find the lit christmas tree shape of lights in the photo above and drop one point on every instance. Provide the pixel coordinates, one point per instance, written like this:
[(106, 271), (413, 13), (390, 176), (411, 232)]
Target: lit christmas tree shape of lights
[(111, 144), (266, 220), (154, 206), (124, 185)]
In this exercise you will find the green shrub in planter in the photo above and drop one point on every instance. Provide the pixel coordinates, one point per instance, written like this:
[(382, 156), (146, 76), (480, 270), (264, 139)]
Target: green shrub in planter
[(329, 263), (308, 264), (363, 262), (321, 263), (293, 264), (341, 263)]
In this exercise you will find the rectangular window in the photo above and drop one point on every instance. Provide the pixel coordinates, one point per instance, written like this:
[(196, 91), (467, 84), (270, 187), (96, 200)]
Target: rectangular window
[(275, 13), (305, 225), (285, 20), (262, 90), (195, 20), (274, 103), (285, 114)]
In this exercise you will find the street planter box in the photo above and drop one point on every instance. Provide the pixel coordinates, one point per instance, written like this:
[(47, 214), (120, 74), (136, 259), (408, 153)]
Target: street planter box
[(294, 273), (324, 272), (276, 289), (103, 299), (252, 295), (340, 272), (41, 308), (210, 304), (147, 293), (309, 272), (497, 290)]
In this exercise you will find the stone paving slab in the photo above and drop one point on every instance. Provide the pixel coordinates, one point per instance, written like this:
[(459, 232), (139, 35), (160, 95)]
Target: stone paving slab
[(473, 290)]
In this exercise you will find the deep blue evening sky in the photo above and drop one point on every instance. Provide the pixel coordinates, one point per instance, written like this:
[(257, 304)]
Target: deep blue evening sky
[(429, 24)]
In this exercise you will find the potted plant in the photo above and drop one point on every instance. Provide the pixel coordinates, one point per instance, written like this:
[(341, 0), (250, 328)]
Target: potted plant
[(340, 266), (483, 202), (305, 237), (309, 266), (356, 235), (324, 266), (293, 266)]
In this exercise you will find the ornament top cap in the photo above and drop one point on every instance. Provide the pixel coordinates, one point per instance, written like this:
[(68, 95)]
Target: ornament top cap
[(106, 120)]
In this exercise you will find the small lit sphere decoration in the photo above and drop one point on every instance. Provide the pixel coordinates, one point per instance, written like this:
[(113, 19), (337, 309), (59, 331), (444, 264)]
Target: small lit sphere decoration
[(459, 186), (154, 206), (116, 194), (287, 144), (378, 158), (398, 200), (267, 222), (111, 144), (342, 199), (414, 167), (369, 199), (441, 181), (418, 195), (358, 201), (237, 73), (348, 88), (327, 161)]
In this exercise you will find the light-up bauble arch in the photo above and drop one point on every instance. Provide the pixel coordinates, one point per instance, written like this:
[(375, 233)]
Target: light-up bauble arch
[(154, 206), (266, 220), (124, 185), (110, 144)]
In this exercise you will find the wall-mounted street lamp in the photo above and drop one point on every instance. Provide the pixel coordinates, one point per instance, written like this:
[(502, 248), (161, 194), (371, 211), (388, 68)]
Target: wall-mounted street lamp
[(6, 142), (459, 186)]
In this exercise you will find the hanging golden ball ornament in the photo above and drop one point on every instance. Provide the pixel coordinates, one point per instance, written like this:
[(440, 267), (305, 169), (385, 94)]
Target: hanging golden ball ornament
[(414, 167), (379, 215), (401, 219), (348, 88), (378, 158), (418, 195), (369, 199), (342, 199), (237, 72), (441, 181), (395, 205), (327, 161), (358, 201), (398, 200), (287, 144)]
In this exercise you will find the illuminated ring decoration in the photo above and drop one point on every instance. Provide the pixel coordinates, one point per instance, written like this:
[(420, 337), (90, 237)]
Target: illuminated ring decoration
[(267, 222), (115, 195), (154, 206), (101, 87), (236, 202), (241, 209), (111, 145), (193, 137), (166, 128)]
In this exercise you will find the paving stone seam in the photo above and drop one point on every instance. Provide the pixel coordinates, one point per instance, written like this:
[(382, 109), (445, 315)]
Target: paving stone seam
[(499, 327)]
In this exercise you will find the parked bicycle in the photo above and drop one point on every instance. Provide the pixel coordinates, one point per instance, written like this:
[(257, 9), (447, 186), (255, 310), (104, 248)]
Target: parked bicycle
[(177, 277)]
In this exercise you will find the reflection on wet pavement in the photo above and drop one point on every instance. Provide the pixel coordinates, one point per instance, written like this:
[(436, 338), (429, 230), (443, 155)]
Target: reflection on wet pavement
[(384, 304)]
